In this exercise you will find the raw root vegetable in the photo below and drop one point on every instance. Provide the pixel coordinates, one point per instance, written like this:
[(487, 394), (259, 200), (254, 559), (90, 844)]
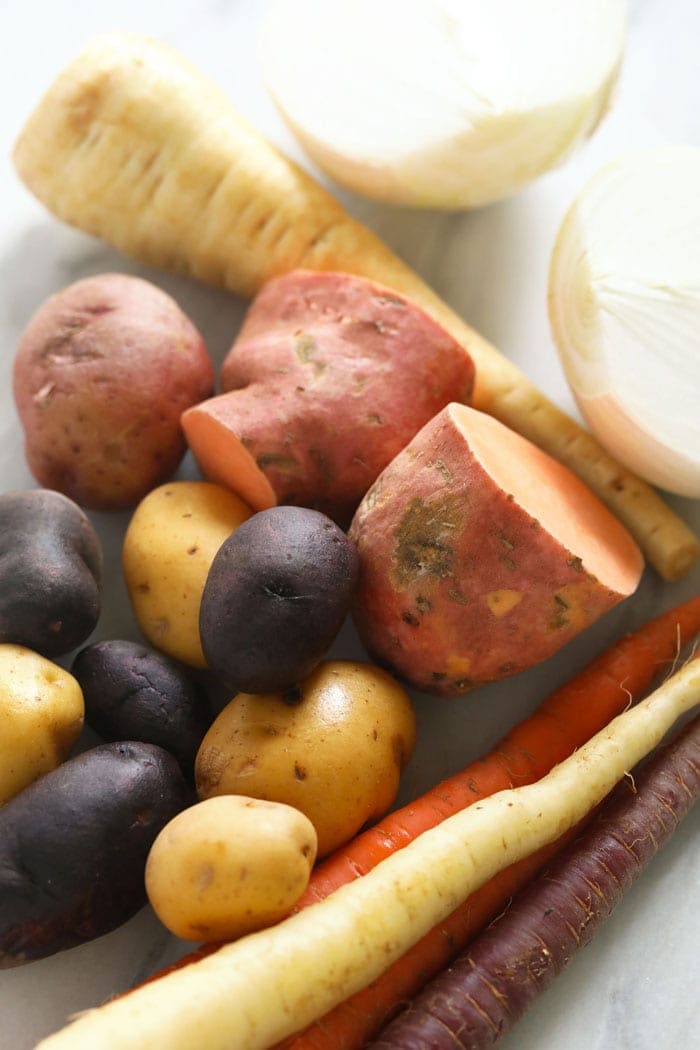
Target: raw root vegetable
[(564, 721), (265, 986), (351, 1023), (487, 989), (481, 556), (624, 304), (165, 169), (169, 546), (329, 378), (441, 103), (102, 374), (276, 596)]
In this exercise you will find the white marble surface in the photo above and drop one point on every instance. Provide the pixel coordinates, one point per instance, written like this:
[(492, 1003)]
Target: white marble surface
[(636, 986)]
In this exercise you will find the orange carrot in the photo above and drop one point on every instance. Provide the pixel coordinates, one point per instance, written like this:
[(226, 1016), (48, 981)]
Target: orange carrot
[(563, 722)]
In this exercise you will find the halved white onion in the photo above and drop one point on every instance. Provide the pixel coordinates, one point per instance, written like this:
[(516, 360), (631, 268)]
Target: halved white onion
[(624, 305), (441, 103)]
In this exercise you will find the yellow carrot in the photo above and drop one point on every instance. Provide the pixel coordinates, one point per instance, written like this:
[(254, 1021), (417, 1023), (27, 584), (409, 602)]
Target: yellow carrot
[(134, 145), (256, 991)]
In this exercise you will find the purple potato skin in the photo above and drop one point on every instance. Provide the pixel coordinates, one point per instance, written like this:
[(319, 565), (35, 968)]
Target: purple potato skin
[(276, 596), (73, 847), (50, 572), (135, 693)]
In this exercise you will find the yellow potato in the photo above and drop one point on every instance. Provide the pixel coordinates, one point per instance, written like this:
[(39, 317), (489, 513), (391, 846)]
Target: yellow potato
[(41, 714), (334, 750), (228, 866), (169, 546)]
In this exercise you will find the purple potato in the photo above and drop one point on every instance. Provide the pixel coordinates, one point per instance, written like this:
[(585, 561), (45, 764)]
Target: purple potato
[(73, 847), (50, 572), (276, 596), (135, 693)]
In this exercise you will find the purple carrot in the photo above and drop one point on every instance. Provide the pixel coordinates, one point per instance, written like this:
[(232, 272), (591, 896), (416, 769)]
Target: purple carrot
[(474, 1002)]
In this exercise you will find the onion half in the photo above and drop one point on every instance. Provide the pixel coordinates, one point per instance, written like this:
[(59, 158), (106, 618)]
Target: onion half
[(624, 307), (441, 103)]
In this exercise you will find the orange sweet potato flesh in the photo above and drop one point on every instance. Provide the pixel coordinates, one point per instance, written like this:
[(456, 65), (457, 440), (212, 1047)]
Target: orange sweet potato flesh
[(481, 556), (329, 378)]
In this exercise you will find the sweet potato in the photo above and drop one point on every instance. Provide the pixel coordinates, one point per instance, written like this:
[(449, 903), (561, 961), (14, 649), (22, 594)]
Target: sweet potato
[(330, 377), (480, 556)]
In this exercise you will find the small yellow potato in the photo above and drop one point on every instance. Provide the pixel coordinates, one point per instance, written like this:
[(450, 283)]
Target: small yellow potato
[(169, 546), (41, 715), (228, 866), (334, 748)]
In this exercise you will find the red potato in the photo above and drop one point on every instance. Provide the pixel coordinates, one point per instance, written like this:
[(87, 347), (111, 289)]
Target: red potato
[(330, 377), (101, 376), (481, 556)]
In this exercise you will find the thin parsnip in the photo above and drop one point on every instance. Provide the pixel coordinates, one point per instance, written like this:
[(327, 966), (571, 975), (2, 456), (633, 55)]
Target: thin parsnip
[(134, 145), (269, 984), (562, 722), (491, 986)]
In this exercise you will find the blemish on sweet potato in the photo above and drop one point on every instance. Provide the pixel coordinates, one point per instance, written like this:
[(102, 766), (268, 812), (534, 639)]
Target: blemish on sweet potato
[(503, 600), (559, 618), (444, 470), (276, 460), (423, 539)]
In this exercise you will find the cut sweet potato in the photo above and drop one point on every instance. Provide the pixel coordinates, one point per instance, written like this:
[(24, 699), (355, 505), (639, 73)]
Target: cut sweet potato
[(330, 377), (480, 556)]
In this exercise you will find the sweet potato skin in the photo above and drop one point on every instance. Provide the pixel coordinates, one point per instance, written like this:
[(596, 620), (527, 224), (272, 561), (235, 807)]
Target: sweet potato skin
[(330, 377), (101, 375), (460, 585)]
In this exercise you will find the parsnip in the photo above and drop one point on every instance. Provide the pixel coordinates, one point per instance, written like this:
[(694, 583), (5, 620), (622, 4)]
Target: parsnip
[(254, 992), (134, 145)]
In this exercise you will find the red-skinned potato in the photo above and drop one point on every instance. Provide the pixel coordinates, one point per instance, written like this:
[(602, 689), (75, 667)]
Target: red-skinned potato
[(481, 556), (102, 374), (330, 376)]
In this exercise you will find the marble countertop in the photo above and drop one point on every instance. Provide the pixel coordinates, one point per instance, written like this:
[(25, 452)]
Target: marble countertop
[(636, 986)]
